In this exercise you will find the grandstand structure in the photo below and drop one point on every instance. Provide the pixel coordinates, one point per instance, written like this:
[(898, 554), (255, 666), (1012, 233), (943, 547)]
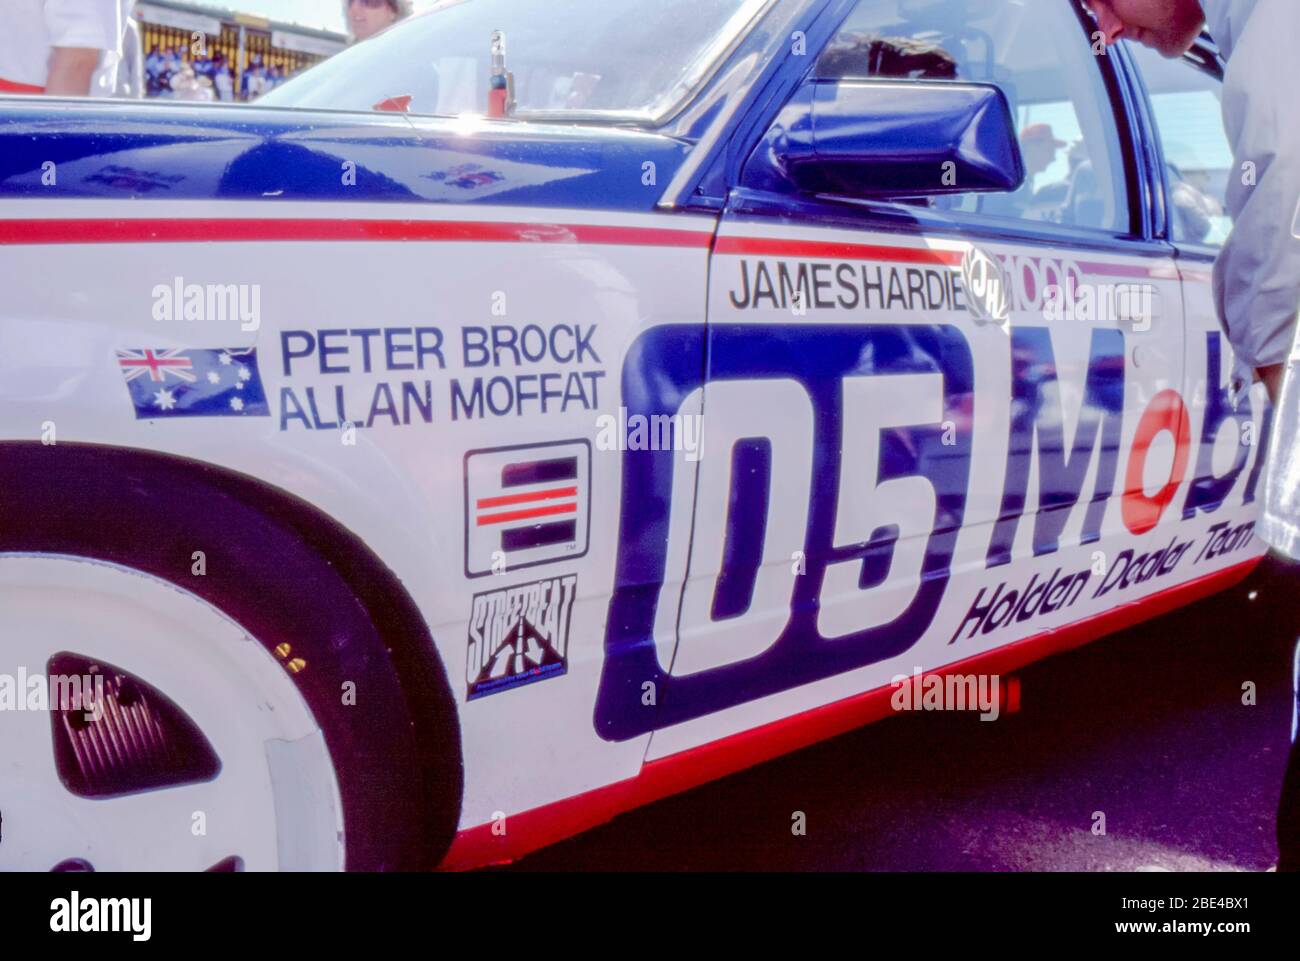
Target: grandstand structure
[(254, 51)]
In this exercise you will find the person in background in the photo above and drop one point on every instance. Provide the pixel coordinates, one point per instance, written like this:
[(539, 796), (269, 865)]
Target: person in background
[(1032, 201), (1040, 148), (255, 80), (367, 17), (54, 46), (222, 81), (252, 82), (172, 63), (153, 67), (187, 84), (1257, 274)]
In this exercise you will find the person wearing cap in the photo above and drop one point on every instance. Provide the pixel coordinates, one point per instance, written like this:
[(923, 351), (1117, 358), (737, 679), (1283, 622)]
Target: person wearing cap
[(1039, 146), (55, 46), (1257, 274), (367, 17)]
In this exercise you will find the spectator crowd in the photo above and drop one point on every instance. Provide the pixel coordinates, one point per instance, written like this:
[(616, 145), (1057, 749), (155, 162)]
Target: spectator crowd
[(93, 47), (169, 74)]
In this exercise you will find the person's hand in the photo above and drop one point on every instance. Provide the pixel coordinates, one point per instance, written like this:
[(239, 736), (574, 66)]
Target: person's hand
[(1272, 378)]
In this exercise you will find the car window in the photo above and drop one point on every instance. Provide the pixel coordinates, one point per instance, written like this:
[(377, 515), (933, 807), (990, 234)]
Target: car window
[(1039, 54), (614, 60), (1198, 158)]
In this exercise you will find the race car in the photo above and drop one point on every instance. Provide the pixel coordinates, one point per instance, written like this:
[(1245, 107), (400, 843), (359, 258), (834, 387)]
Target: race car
[(536, 410)]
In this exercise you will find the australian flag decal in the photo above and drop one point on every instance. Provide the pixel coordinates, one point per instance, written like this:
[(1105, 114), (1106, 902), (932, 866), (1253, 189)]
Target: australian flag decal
[(194, 383)]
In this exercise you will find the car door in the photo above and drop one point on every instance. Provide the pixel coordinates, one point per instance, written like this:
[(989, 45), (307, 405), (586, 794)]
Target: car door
[(1183, 105), (909, 406)]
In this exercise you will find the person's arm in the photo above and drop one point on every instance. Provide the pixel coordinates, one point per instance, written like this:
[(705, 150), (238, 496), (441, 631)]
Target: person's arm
[(1272, 378), (71, 69), (1257, 275), (80, 31)]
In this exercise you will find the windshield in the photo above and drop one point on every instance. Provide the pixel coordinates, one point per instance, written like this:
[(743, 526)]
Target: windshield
[(597, 59)]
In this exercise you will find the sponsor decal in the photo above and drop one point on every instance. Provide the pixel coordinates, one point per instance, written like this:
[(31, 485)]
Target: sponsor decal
[(519, 635), (987, 289), (865, 490), (998, 607), (991, 287), (526, 505), (799, 286), (995, 608), (824, 543), (194, 383)]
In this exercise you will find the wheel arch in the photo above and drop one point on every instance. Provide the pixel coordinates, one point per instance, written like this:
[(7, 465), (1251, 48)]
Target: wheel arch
[(32, 474)]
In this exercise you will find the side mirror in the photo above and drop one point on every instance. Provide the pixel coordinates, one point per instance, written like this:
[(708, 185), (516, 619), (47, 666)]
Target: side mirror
[(870, 139)]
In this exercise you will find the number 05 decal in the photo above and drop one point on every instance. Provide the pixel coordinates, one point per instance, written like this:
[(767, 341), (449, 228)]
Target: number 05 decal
[(880, 494)]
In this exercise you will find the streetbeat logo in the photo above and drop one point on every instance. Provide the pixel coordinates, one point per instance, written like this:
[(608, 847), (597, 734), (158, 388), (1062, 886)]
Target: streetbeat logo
[(519, 635)]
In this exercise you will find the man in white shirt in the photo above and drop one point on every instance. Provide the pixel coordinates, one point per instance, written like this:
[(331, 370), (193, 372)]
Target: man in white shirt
[(1257, 277), (54, 46), (1257, 274)]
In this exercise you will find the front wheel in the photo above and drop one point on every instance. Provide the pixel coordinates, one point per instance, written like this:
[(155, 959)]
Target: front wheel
[(167, 738), (271, 697)]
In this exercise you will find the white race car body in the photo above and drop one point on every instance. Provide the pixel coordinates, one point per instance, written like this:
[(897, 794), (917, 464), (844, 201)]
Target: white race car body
[(673, 488)]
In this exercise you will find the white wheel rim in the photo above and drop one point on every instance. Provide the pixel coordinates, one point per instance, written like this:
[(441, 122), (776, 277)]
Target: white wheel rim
[(275, 802)]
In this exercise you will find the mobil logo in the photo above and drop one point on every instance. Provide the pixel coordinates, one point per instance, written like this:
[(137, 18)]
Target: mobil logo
[(1037, 436)]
